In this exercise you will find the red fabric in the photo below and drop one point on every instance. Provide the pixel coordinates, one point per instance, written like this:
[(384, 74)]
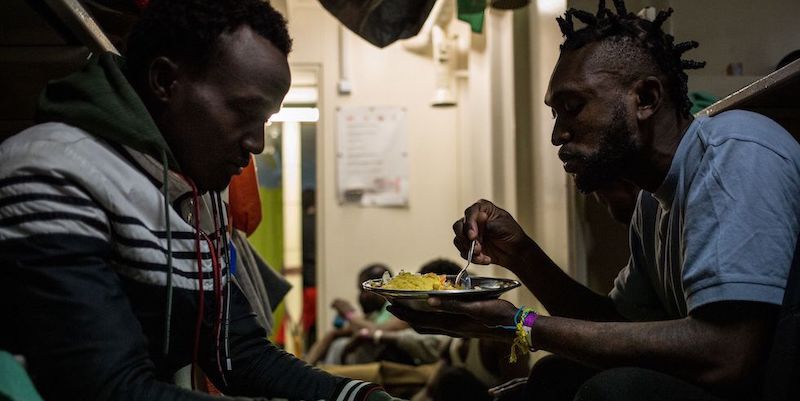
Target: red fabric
[(309, 307), (280, 336), (245, 202), (211, 388)]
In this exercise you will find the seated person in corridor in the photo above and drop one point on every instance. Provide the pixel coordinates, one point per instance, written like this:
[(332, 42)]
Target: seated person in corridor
[(375, 334), (331, 348)]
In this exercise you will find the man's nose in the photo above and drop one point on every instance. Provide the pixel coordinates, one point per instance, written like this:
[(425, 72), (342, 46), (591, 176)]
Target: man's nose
[(560, 136), (254, 141)]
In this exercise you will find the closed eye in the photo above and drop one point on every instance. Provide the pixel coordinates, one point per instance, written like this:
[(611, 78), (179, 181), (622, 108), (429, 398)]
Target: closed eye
[(573, 106)]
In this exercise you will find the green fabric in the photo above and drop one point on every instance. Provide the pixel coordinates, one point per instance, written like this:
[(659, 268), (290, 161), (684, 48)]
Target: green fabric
[(99, 100), (15, 385), (701, 100), (267, 240), (471, 12), (381, 316)]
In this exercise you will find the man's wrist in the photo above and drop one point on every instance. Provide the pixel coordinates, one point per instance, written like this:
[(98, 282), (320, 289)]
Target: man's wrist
[(525, 256), (524, 320)]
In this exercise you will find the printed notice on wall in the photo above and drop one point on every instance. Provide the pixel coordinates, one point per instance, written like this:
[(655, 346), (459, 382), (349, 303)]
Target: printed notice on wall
[(372, 156)]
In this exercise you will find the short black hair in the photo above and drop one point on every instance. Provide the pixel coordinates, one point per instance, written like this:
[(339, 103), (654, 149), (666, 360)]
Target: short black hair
[(372, 271), (629, 31), (188, 30), (440, 266)]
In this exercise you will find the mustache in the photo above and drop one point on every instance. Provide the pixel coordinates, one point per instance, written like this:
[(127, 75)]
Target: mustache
[(567, 155)]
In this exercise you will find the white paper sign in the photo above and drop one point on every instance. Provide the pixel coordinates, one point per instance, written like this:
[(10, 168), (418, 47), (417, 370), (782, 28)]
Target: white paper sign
[(372, 156)]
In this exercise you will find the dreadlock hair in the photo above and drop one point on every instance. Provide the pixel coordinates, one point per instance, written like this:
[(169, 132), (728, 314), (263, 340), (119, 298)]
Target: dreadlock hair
[(629, 34), (188, 30)]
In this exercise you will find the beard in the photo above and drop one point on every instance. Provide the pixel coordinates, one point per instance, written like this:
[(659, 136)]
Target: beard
[(614, 155)]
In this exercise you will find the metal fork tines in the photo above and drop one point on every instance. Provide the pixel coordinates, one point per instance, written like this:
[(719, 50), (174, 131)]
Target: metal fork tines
[(462, 275)]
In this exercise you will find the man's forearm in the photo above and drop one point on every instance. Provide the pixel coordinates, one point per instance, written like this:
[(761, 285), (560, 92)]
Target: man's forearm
[(558, 292), (713, 354)]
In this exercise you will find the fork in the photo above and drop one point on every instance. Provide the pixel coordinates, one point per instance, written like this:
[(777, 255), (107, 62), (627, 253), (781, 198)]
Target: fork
[(462, 275)]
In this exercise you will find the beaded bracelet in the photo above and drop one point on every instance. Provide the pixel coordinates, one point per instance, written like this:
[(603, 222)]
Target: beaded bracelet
[(524, 320)]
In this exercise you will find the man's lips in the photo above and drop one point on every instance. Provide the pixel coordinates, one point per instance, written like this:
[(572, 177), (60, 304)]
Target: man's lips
[(572, 162), (572, 165)]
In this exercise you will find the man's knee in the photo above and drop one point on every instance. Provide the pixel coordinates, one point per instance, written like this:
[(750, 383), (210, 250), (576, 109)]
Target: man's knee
[(616, 384), (554, 368), (556, 378)]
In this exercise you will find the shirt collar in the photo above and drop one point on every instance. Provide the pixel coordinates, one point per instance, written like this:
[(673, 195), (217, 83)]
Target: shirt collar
[(665, 194), (178, 187)]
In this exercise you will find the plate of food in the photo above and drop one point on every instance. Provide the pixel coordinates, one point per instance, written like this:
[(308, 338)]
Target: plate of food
[(413, 289)]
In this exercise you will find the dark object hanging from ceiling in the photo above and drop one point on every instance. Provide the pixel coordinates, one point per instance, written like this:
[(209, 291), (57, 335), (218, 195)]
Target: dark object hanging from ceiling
[(381, 22), (508, 4)]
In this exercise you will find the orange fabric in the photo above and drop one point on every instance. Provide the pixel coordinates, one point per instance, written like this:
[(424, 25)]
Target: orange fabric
[(245, 203)]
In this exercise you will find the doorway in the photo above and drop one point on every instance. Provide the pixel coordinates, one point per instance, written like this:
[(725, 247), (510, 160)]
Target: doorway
[(287, 175)]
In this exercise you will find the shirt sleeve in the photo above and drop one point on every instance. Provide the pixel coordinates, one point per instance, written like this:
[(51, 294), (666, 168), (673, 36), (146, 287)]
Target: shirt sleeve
[(258, 366), (741, 224), (261, 369)]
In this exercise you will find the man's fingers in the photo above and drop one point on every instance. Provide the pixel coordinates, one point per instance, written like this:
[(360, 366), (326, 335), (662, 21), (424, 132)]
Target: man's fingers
[(429, 320), (470, 227), (478, 256), (462, 244), (481, 259), (451, 305), (458, 227)]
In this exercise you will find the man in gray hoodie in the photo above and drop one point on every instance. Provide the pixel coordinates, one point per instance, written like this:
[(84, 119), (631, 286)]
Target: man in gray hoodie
[(114, 245)]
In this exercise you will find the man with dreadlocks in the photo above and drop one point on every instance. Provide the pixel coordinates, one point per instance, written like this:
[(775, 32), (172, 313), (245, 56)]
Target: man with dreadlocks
[(712, 236)]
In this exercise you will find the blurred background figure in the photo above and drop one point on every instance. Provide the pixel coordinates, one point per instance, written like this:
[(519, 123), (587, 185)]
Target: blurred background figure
[(331, 347), (400, 342), (476, 365), (375, 334)]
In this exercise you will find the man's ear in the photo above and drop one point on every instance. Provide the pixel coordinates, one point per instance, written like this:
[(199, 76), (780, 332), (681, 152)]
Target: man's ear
[(162, 75), (649, 96)]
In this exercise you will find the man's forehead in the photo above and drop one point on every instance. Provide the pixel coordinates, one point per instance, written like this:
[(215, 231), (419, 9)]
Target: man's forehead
[(580, 70), (244, 54)]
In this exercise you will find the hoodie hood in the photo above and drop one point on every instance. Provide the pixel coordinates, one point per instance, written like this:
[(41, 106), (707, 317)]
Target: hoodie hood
[(100, 100)]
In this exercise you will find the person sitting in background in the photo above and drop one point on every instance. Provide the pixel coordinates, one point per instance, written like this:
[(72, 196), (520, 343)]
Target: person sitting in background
[(406, 345), (377, 334), (330, 349), (476, 364)]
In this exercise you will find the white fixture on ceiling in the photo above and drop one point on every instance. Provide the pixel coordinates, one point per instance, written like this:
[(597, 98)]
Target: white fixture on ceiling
[(433, 37)]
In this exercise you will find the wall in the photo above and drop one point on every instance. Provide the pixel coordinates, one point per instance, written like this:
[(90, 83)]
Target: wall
[(450, 154), (551, 186), (756, 33)]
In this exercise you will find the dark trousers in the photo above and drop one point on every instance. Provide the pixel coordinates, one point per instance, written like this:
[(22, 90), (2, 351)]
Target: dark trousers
[(555, 378)]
